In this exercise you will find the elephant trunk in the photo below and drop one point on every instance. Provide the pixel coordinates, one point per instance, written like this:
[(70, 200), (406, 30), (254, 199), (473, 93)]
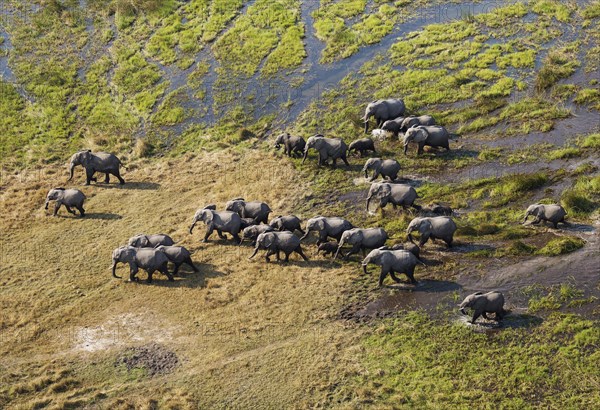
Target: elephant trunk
[(305, 155), (71, 168), (305, 234), (366, 125), (46, 205), (526, 216), (366, 173), (462, 310), (405, 148), (254, 253), (192, 226), (410, 238), (364, 266), (368, 202), (114, 270), (337, 251)]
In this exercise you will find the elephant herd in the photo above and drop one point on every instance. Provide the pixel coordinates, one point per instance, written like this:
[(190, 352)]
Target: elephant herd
[(249, 220)]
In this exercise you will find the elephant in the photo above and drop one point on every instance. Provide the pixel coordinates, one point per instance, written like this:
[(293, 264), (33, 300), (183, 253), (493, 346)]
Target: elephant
[(257, 210), (278, 241), (246, 222), (361, 239), (550, 213), (484, 303), (392, 262), (328, 248), (430, 135), (178, 255), (438, 227), (150, 241), (287, 223), (412, 121), (437, 209), (252, 232), (292, 145), (383, 110), (393, 126), (362, 146), (411, 247), (221, 221), (387, 168), (148, 259), (397, 194), (96, 162), (327, 227), (67, 197), (328, 148)]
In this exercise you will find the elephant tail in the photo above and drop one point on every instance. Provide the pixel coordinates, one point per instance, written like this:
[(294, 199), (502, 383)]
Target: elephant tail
[(420, 261)]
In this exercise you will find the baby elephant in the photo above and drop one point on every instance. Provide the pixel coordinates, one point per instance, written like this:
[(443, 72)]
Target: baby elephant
[(388, 168), (362, 146), (411, 247), (439, 227), (328, 248), (484, 303), (178, 255), (361, 239), (252, 232), (150, 260), (278, 241), (287, 223), (292, 145), (67, 197), (150, 241), (550, 213)]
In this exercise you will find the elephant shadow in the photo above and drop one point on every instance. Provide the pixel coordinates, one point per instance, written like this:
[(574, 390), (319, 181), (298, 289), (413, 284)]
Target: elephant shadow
[(510, 321), (427, 286), (187, 278), (458, 153), (103, 216), (459, 247), (144, 186)]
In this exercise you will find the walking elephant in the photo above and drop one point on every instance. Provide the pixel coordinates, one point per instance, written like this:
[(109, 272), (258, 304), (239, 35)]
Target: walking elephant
[(393, 126), (287, 223), (484, 303), (362, 146), (430, 135), (332, 227), (550, 213), (70, 198), (393, 262), (150, 260), (220, 221), (438, 227), (328, 148), (150, 241), (178, 255), (383, 110), (275, 242), (387, 168), (258, 210), (102, 162), (292, 145), (252, 232), (412, 121), (397, 194), (362, 239)]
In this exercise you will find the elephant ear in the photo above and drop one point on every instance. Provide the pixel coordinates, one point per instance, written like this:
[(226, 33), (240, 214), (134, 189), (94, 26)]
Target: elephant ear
[(384, 190), (144, 241), (425, 226), (268, 240), (320, 224), (207, 216), (421, 135)]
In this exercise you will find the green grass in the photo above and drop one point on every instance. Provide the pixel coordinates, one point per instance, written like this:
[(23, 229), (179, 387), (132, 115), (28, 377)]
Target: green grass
[(583, 198), (591, 141), (564, 153), (559, 63), (561, 246), (589, 96)]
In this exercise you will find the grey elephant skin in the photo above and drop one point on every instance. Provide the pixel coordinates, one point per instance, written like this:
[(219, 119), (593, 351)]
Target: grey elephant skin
[(361, 239), (326, 227), (392, 262), (393, 126), (438, 227), (387, 168), (150, 260), (102, 162), (430, 135), (259, 211), (328, 248), (411, 247), (484, 303), (550, 213), (150, 241), (383, 110), (328, 148), (396, 194), (275, 242), (287, 223), (292, 145), (178, 255), (70, 198), (220, 221), (252, 232), (362, 146), (420, 120)]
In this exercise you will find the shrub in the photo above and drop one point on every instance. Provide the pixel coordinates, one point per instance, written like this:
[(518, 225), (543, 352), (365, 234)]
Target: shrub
[(561, 246)]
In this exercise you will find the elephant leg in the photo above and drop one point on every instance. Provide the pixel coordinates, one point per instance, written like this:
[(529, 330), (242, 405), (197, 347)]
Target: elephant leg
[(56, 208), (555, 225), (475, 316), (117, 173), (237, 238), (382, 276), (220, 233), (177, 265), (420, 151), (299, 251), (189, 262), (334, 163), (165, 271), (536, 221), (485, 316), (89, 176), (149, 280), (287, 256), (107, 178), (374, 177), (448, 242), (394, 277), (269, 253), (69, 210), (355, 249), (345, 160), (209, 232), (81, 210), (423, 241), (410, 273)]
